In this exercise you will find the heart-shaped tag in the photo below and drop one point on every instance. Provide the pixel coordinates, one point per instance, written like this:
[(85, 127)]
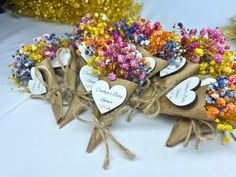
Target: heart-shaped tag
[(87, 78), (152, 63), (107, 99), (173, 68), (183, 94), (208, 81), (64, 55), (35, 85), (82, 48)]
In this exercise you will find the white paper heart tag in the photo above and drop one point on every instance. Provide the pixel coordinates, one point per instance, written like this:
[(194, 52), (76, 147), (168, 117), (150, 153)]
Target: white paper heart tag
[(82, 48), (152, 63), (107, 98), (87, 78), (208, 81), (35, 85), (173, 68), (64, 55), (183, 94)]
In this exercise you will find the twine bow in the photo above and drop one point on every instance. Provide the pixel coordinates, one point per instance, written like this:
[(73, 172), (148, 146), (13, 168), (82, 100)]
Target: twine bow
[(195, 127), (150, 105), (102, 126)]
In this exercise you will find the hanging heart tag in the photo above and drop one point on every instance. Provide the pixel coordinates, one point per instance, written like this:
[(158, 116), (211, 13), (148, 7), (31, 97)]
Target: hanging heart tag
[(64, 55), (183, 94), (35, 85), (208, 81), (87, 78), (173, 68), (107, 98), (83, 48), (152, 63)]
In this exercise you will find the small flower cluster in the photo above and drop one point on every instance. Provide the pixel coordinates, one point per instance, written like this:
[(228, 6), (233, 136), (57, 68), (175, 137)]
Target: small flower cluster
[(221, 102), (205, 45), (171, 52), (151, 36), (209, 47), (138, 32), (93, 27), (226, 67), (27, 56), (118, 59)]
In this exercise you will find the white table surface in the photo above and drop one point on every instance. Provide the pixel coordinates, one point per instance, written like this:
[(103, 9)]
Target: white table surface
[(31, 145)]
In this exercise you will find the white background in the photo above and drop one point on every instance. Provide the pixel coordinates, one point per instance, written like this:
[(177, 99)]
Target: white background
[(31, 145)]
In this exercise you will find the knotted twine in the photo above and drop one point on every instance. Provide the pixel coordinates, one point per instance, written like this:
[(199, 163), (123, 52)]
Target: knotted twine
[(102, 126), (66, 90), (150, 105), (195, 127)]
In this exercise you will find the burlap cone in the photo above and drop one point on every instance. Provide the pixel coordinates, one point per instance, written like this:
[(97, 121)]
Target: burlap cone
[(74, 106), (160, 63), (180, 132), (53, 89), (76, 100), (196, 111), (96, 137)]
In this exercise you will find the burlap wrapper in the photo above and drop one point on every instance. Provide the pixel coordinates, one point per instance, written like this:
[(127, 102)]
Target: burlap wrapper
[(96, 137), (69, 74), (196, 111), (181, 130), (53, 89), (150, 99), (79, 101)]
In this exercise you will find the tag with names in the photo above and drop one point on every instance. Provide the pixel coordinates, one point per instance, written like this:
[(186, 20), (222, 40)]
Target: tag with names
[(35, 85), (87, 78), (183, 94), (107, 98)]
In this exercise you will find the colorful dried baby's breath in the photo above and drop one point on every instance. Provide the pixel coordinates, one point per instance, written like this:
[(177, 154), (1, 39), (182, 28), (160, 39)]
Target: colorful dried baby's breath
[(115, 58), (221, 102), (43, 47)]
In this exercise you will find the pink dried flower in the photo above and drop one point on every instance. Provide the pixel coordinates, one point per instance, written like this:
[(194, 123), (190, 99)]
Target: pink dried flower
[(112, 76), (218, 58), (134, 63), (195, 59)]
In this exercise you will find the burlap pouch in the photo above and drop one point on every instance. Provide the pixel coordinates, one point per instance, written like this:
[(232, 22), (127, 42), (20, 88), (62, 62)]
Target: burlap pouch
[(96, 137), (195, 121), (80, 99), (53, 94), (160, 64), (153, 101), (149, 99)]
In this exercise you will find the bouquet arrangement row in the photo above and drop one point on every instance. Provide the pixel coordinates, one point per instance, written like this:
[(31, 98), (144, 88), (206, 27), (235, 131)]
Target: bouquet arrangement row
[(112, 69)]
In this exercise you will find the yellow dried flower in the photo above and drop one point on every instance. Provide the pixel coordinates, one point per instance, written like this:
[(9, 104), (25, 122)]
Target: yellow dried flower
[(70, 11)]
